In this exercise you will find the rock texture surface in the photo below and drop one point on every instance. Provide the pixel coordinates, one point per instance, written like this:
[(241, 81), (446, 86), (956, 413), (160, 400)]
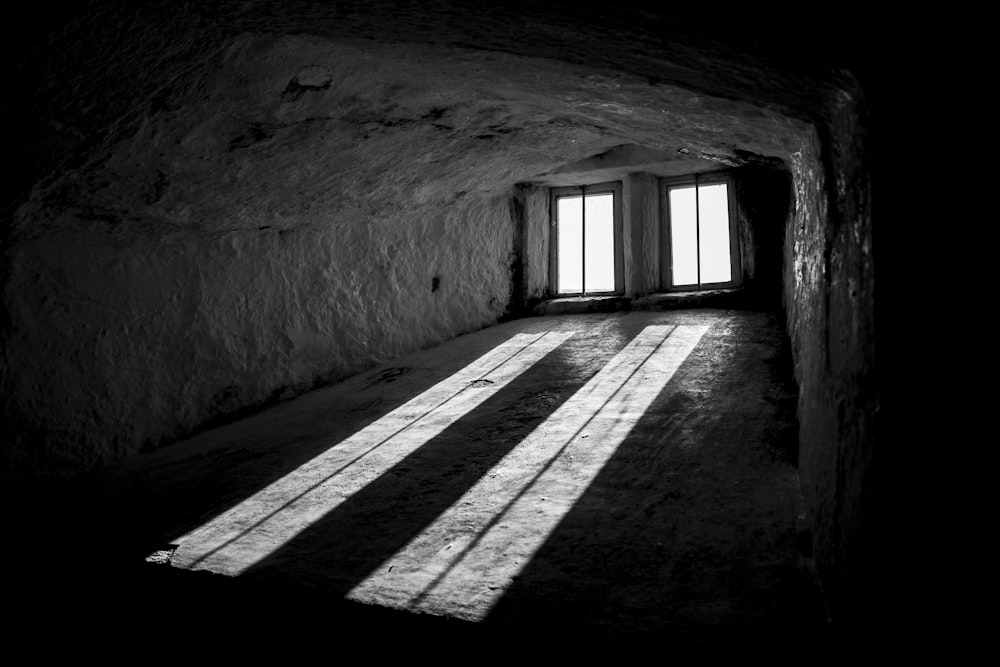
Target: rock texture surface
[(219, 205), (829, 292), (286, 210)]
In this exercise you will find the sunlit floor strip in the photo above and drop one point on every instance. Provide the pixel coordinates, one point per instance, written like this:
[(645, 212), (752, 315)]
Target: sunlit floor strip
[(250, 531), (462, 564)]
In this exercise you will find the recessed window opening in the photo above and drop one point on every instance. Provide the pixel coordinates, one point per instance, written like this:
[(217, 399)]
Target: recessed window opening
[(586, 248), (701, 249)]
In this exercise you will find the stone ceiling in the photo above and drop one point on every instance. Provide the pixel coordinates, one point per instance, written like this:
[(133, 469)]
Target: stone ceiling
[(237, 114)]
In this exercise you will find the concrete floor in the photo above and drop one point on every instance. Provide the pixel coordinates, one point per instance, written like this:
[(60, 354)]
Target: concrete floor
[(582, 481)]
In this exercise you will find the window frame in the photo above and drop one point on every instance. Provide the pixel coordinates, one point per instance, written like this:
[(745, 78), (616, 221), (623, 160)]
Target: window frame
[(735, 259), (613, 187)]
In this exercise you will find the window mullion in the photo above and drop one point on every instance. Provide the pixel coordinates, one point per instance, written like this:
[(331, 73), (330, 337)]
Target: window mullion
[(583, 236), (697, 229)]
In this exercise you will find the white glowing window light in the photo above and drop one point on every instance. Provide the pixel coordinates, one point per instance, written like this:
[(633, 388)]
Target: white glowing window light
[(464, 561), (701, 250), (249, 532), (586, 245)]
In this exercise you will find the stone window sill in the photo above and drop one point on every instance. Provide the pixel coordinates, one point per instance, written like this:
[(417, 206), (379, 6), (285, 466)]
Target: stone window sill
[(712, 298)]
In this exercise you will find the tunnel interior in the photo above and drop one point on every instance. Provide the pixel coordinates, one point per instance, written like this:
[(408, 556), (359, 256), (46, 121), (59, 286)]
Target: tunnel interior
[(221, 207)]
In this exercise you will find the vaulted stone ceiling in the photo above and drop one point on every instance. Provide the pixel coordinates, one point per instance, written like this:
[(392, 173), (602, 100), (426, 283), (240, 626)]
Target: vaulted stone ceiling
[(455, 98)]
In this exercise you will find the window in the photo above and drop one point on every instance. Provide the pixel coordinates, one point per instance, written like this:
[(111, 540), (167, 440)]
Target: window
[(586, 241), (700, 248)]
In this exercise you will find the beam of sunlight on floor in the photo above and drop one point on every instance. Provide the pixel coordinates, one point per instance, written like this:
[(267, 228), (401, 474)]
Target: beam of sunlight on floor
[(250, 531), (461, 564)]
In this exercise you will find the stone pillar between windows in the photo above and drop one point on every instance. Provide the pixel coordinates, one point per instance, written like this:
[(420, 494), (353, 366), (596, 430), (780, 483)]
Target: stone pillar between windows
[(641, 233), (536, 244)]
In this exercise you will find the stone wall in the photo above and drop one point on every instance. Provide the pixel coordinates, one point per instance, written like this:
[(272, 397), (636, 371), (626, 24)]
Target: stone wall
[(764, 200), (829, 299), (535, 223), (641, 211), (123, 346), (265, 230)]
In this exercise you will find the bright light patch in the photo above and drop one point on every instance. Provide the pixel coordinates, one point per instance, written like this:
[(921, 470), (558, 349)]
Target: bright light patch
[(462, 564), (700, 251), (570, 242), (260, 525), (684, 236), (586, 243), (599, 268), (713, 222)]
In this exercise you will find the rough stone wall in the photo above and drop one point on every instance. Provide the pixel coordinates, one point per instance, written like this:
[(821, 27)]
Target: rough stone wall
[(764, 204), (231, 253), (147, 340), (642, 241), (536, 257), (829, 297)]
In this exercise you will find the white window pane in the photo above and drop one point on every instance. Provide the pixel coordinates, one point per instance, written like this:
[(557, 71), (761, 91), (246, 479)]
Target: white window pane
[(713, 216), (683, 236), (569, 212), (599, 270)]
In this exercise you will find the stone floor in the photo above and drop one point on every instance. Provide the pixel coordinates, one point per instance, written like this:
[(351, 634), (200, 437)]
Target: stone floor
[(582, 482)]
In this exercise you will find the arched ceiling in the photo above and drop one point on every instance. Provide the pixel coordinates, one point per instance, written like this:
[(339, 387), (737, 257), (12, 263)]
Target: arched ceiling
[(231, 114)]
